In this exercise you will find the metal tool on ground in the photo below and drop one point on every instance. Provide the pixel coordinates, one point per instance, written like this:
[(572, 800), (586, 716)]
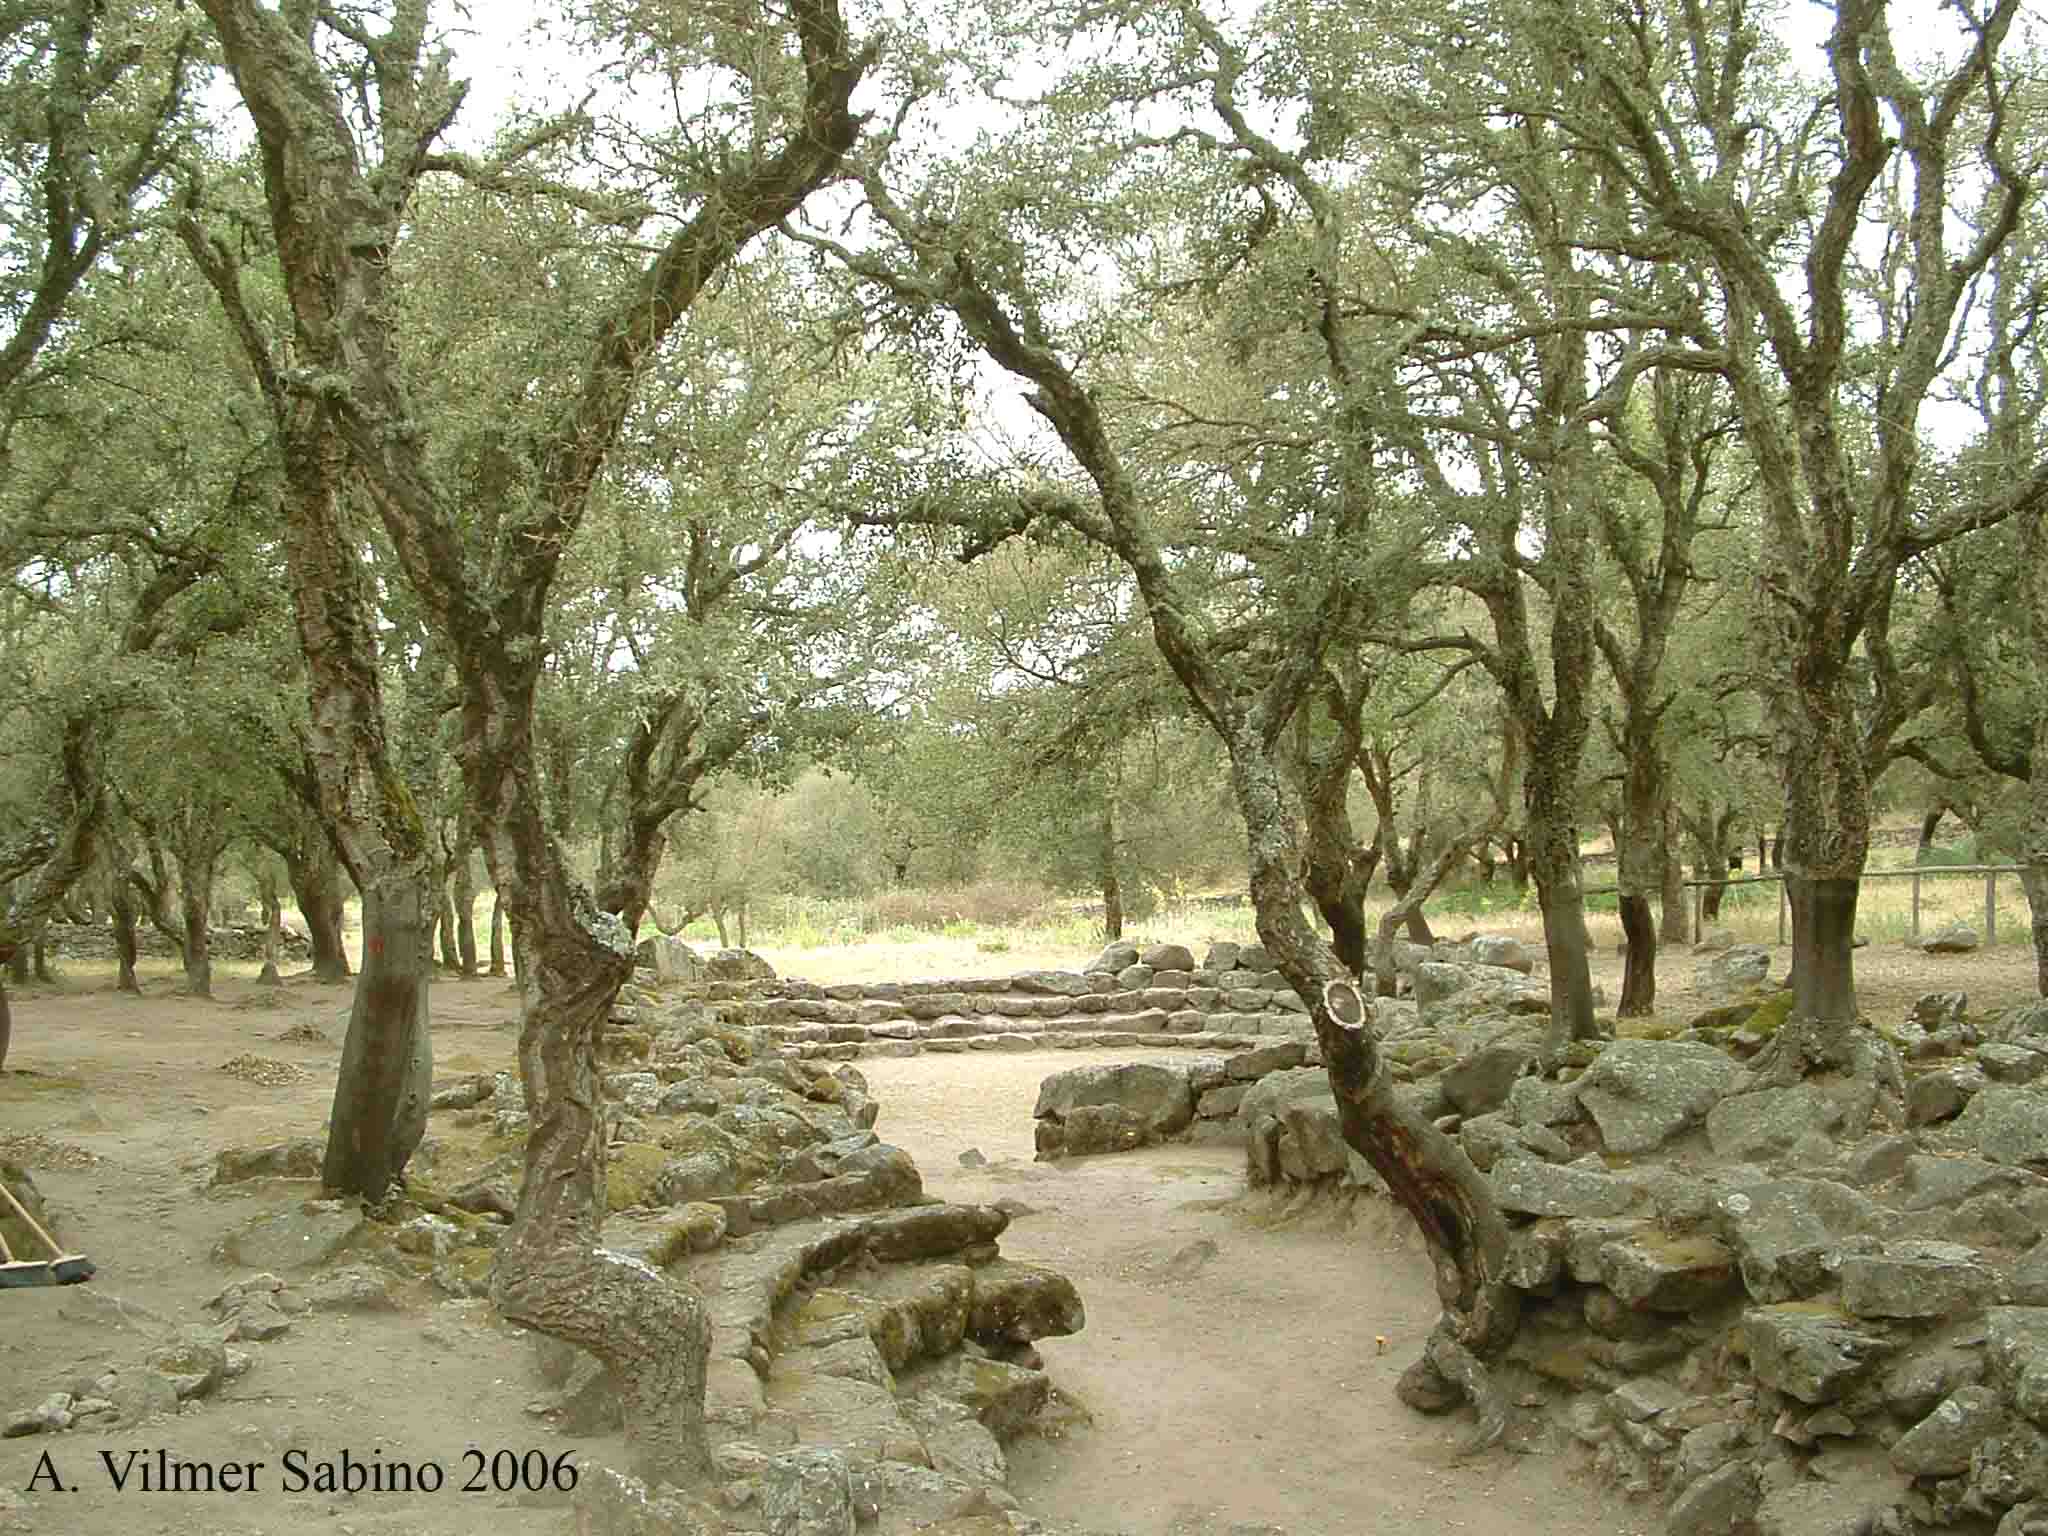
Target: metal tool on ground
[(60, 1268)]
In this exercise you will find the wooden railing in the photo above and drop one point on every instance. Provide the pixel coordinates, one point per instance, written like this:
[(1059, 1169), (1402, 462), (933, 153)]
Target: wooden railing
[(1915, 873)]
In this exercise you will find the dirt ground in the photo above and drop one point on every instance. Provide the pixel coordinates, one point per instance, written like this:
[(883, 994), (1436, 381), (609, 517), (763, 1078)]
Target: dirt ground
[(1235, 1388)]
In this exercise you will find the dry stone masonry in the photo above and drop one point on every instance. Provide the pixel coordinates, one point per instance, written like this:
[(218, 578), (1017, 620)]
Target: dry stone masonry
[(1795, 1310)]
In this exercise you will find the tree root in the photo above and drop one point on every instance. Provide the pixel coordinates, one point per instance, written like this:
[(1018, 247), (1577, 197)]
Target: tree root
[(1447, 1375)]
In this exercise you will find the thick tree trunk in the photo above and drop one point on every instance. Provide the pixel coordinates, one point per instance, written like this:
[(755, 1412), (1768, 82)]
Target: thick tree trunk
[(497, 936), (273, 925), (315, 877), (387, 1059)]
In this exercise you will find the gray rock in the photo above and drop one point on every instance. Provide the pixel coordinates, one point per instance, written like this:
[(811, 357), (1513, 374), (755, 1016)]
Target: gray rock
[(1006, 1398), (1714, 941), (1641, 1093), (1499, 949), (1282, 1056), (1955, 939), (1019, 1303), (1735, 969), (2027, 1285), (2008, 1468), (1784, 1230), (298, 1159), (1168, 957), (1940, 1010), (1943, 1183), (1154, 1100), (1539, 1101), (1114, 957), (1544, 1189), (1752, 1126), (1941, 1095), (2012, 1064), (1483, 1080), (1707, 1448), (196, 1362), (807, 1492), (607, 1502), (1662, 1273), (1878, 1159), (1051, 983), (2016, 1354), (671, 960), (2009, 1126), (1940, 1444), (2027, 1021), (1717, 1504), (1811, 1355), (1913, 1279), (51, 1416), (302, 1237), (1451, 994), (1916, 1384)]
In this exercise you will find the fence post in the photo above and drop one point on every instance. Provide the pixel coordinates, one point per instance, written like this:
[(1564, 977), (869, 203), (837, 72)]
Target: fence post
[(1916, 901), (1990, 907), (1781, 909)]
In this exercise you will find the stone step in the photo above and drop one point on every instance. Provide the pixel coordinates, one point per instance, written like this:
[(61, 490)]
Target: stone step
[(1154, 1021), (1048, 1040), (1019, 1006)]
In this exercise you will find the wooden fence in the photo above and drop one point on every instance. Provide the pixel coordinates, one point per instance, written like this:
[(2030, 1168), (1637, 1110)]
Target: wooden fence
[(1916, 874)]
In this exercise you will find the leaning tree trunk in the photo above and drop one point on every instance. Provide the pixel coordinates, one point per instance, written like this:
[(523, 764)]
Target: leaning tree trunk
[(387, 1058), (497, 935), (451, 959), (1427, 1173)]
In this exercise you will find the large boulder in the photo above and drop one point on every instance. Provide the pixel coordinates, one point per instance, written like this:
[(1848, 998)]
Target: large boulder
[(1451, 994), (1955, 939), (1168, 957), (1499, 949), (1483, 1080), (1809, 1353), (1736, 969), (737, 965), (670, 959), (2009, 1126), (1112, 1108), (1642, 1093)]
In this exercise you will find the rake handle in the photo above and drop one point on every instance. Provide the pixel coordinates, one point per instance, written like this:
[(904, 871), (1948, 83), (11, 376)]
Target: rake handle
[(34, 1226)]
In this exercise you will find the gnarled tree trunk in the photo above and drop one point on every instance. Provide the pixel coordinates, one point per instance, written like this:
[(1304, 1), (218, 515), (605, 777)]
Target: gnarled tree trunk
[(315, 877)]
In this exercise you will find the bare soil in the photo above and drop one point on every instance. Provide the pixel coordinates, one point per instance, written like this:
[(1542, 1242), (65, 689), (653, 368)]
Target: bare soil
[(1243, 1387)]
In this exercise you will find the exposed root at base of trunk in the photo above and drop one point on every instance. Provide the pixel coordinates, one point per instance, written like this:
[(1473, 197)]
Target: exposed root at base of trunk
[(1447, 1376), (654, 1333)]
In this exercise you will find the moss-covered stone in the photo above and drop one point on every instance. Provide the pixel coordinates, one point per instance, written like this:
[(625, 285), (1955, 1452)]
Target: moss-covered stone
[(631, 1173)]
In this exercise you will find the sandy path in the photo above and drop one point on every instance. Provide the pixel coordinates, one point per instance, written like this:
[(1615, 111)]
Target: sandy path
[(1247, 1394)]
